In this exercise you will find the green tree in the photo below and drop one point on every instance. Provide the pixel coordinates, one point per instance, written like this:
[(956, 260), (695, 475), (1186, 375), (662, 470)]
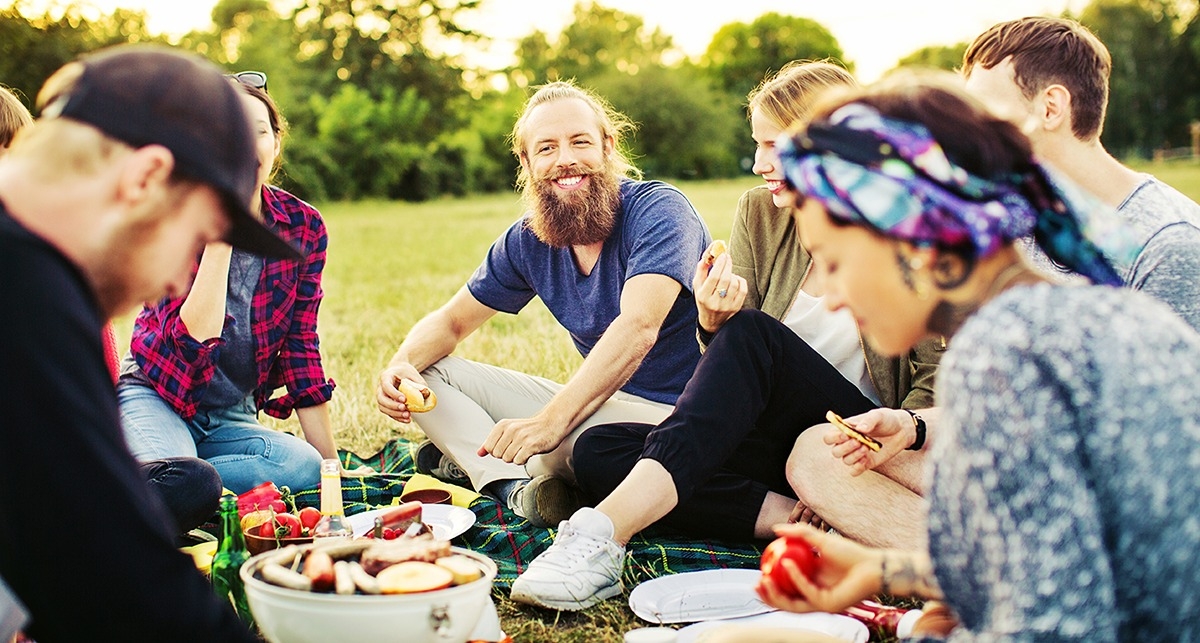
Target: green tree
[(686, 128), (598, 40), (381, 44), (32, 48), (741, 54), (948, 57), (1139, 35)]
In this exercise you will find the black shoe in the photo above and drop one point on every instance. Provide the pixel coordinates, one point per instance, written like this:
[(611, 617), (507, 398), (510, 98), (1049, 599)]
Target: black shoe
[(430, 461)]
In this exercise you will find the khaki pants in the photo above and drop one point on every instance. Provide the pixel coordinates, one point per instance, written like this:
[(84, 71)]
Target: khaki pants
[(472, 397)]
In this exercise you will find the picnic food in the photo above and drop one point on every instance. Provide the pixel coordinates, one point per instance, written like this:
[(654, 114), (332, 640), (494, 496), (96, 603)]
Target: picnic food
[(795, 549), (413, 576), (308, 517), (264, 496), (281, 525), (403, 566), (398, 522), (417, 397), (717, 249), (867, 441)]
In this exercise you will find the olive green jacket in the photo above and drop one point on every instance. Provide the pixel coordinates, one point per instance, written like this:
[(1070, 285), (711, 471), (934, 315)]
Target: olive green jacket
[(766, 252)]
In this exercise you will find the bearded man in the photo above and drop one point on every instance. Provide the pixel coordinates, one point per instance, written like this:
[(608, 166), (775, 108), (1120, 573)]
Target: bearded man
[(612, 258)]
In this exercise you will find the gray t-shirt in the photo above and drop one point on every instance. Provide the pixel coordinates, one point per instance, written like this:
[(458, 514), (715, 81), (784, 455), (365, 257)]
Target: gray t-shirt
[(1064, 497), (1166, 228), (236, 374), (1167, 225)]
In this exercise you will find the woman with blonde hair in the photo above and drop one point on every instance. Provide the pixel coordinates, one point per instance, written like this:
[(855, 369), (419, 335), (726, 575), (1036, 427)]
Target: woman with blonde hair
[(13, 116)]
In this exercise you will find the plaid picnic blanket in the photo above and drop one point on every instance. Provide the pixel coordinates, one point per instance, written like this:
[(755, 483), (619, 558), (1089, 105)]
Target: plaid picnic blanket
[(512, 542)]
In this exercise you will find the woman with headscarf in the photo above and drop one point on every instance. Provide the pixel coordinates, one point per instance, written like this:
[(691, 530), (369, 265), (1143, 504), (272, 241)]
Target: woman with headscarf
[(1063, 493)]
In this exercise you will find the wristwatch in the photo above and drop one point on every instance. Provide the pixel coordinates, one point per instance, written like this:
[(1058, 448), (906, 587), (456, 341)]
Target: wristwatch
[(919, 423)]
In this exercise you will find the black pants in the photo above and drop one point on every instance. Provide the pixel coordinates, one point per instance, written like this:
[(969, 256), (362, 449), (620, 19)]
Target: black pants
[(756, 388), (189, 487)]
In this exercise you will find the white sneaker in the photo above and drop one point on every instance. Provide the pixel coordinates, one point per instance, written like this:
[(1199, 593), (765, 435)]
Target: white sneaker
[(581, 568)]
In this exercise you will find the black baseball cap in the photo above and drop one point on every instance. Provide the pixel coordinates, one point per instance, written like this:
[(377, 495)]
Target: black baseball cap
[(155, 95)]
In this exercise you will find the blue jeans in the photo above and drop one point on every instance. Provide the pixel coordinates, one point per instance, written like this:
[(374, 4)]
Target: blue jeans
[(243, 451)]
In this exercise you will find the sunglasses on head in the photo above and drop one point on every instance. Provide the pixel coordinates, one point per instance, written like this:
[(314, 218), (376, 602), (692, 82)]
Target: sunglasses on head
[(255, 79)]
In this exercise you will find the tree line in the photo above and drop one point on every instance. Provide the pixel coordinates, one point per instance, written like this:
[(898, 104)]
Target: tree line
[(378, 108)]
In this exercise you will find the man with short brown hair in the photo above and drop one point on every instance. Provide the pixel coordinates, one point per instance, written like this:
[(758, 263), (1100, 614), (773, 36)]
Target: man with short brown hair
[(1050, 76), (142, 155)]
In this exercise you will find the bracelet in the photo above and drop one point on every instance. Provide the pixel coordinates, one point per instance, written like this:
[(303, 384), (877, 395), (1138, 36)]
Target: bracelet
[(919, 423)]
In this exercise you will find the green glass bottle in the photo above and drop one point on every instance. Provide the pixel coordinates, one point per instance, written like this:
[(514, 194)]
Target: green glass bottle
[(229, 558)]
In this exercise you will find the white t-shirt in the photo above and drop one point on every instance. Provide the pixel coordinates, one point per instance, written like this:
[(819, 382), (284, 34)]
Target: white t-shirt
[(834, 336)]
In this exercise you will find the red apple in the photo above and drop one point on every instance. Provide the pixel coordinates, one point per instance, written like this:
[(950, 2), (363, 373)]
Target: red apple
[(797, 550)]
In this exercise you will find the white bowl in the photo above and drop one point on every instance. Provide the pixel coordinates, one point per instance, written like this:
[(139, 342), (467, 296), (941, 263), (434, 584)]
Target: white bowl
[(441, 616)]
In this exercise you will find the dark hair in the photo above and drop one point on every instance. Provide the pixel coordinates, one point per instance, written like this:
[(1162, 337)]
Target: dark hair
[(1051, 51), (972, 136), (278, 124), (274, 116)]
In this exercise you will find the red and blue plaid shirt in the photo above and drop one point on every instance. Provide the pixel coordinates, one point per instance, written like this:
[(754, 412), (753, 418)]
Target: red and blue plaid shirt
[(283, 323)]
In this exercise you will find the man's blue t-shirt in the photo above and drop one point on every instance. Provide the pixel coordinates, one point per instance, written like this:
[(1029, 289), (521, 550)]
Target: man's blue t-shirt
[(657, 232)]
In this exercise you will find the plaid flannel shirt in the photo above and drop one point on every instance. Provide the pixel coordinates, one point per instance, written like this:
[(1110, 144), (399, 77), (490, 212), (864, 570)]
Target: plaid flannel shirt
[(283, 322)]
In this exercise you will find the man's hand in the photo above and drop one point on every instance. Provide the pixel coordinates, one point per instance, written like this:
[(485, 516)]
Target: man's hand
[(519, 439), (891, 427), (363, 471), (803, 514), (389, 398)]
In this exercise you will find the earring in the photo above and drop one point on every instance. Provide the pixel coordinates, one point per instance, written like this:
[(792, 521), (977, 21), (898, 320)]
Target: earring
[(920, 286)]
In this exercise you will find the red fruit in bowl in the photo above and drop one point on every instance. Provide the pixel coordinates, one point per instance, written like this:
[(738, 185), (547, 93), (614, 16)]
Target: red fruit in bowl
[(283, 525), (795, 549), (309, 516)]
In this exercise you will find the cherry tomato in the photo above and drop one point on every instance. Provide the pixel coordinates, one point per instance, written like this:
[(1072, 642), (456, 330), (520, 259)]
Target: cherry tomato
[(799, 552), (309, 517)]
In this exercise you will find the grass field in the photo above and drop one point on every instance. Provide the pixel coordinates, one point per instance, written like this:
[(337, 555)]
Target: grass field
[(390, 263)]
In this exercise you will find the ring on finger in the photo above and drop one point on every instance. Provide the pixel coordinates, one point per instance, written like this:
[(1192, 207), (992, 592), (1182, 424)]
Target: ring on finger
[(722, 292)]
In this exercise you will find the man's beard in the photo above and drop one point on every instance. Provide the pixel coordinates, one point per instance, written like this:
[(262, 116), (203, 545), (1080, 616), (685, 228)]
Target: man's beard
[(583, 217)]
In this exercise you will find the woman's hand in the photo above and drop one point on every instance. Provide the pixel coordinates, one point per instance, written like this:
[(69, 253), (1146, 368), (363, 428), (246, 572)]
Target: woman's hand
[(893, 428), (848, 573), (719, 293)]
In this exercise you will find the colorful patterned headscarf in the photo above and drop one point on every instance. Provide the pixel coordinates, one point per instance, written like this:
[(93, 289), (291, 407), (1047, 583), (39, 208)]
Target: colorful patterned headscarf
[(891, 175)]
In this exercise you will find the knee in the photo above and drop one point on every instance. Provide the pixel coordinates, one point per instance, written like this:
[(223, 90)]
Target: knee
[(603, 455), (810, 462)]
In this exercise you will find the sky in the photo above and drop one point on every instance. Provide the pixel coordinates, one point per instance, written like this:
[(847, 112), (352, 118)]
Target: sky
[(874, 34)]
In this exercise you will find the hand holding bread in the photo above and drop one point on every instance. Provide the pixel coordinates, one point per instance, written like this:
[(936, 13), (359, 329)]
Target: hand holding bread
[(417, 397)]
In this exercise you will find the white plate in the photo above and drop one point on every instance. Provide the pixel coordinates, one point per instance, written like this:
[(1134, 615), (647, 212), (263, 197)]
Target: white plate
[(835, 625), (446, 521), (698, 596)]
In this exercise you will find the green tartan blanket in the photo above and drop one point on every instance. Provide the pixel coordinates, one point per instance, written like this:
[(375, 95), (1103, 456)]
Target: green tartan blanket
[(512, 542)]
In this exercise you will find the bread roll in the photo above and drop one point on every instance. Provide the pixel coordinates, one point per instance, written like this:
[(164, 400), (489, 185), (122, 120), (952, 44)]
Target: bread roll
[(417, 397)]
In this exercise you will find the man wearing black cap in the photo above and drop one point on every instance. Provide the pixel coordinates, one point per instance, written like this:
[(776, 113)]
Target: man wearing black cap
[(142, 155)]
